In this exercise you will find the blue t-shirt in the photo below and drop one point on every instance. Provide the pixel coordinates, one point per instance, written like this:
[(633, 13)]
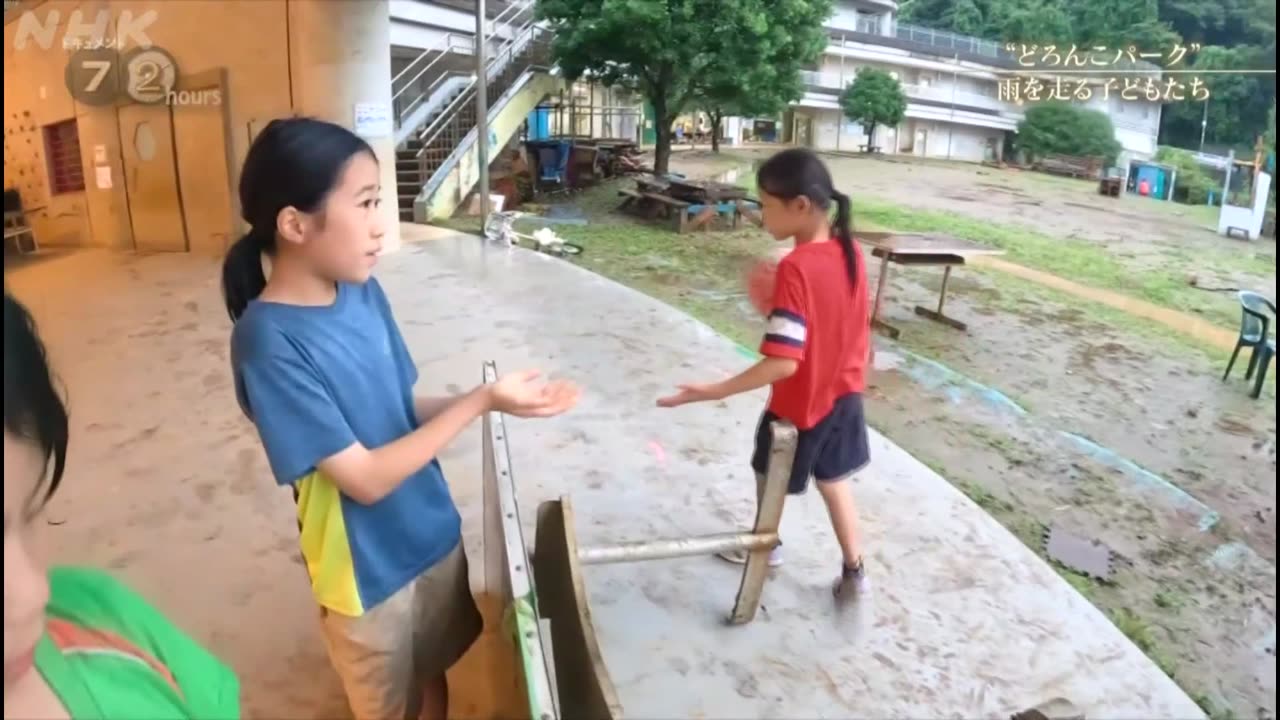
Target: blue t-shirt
[(314, 380)]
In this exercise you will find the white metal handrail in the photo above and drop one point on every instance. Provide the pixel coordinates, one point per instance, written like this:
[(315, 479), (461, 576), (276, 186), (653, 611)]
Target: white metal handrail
[(450, 43), (499, 62), (436, 52)]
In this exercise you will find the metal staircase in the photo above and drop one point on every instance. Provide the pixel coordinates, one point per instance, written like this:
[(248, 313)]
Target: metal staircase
[(435, 102)]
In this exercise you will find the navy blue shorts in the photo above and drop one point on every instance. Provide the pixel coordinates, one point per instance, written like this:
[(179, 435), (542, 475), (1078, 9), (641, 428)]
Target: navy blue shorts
[(831, 450)]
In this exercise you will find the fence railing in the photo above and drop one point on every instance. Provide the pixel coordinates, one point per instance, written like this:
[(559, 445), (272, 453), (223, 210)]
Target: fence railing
[(948, 40), (944, 94)]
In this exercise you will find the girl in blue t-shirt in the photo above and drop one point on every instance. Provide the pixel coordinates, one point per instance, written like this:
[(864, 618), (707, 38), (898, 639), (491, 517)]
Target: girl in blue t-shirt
[(323, 372)]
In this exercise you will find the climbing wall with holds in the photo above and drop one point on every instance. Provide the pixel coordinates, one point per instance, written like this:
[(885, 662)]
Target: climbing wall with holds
[(24, 163)]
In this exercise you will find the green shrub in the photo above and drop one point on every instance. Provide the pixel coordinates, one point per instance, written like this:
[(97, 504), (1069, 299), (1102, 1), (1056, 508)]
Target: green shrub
[(1059, 128), (1193, 183)]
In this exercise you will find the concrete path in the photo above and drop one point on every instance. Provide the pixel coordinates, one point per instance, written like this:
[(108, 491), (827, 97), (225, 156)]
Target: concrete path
[(169, 488)]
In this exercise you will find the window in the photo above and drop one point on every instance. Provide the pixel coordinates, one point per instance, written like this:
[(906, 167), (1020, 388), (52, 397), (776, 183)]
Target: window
[(62, 152)]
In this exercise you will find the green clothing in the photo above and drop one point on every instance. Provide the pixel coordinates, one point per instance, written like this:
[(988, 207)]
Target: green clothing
[(109, 654)]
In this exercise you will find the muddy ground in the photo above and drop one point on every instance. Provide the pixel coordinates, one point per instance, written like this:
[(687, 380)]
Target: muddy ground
[(1052, 411)]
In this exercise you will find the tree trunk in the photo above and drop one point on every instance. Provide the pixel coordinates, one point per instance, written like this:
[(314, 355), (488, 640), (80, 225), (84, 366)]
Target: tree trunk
[(716, 118), (871, 137), (662, 151)]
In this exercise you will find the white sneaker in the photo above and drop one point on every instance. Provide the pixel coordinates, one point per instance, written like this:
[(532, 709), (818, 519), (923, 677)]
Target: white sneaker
[(739, 557)]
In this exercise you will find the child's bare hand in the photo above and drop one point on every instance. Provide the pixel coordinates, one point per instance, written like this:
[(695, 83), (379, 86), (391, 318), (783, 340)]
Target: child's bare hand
[(688, 394), (522, 395)]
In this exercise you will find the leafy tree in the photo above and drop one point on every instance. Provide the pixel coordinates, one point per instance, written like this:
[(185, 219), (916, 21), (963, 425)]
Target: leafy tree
[(1120, 24), (1062, 128), (756, 70), (873, 98), (1236, 112), (672, 51), (1235, 34), (1030, 23)]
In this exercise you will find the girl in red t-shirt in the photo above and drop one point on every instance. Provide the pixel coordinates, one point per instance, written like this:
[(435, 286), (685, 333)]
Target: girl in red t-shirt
[(816, 349)]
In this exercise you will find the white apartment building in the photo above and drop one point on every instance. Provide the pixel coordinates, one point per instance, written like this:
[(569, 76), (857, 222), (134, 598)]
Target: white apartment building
[(952, 84)]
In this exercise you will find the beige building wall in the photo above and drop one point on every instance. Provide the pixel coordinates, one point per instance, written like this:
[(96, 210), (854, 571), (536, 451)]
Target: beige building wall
[(246, 50)]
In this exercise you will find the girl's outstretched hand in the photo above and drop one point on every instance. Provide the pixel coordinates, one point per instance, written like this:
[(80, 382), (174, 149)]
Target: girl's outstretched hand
[(522, 395), (689, 394)]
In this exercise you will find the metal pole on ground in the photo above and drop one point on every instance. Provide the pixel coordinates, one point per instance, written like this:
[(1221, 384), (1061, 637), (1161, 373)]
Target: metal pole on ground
[(482, 110), (951, 126)]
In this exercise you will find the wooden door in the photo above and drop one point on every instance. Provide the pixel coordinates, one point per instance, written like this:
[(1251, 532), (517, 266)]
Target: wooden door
[(151, 178)]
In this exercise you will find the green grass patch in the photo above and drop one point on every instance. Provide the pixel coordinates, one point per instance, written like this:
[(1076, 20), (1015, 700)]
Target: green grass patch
[(1140, 633), (1080, 261), (1170, 600), (1083, 584), (1015, 294)]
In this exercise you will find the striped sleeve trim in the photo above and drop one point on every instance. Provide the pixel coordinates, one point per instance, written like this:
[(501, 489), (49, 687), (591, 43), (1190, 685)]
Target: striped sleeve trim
[(786, 328), (72, 639)]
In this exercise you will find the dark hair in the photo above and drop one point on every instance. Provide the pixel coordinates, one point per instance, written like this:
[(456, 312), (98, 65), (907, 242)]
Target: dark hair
[(33, 409), (798, 172), (294, 162)]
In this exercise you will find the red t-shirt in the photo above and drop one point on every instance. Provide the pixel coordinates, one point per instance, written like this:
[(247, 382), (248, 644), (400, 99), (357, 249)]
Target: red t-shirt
[(819, 319)]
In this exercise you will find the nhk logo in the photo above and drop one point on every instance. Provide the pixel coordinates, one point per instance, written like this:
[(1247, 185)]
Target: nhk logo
[(129, 30)]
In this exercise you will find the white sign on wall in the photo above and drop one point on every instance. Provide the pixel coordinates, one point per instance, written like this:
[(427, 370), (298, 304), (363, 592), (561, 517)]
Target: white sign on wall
[(373, 120)]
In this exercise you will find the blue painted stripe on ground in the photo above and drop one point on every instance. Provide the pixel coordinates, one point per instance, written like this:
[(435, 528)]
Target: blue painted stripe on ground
[(936, 376), (1208, 516)]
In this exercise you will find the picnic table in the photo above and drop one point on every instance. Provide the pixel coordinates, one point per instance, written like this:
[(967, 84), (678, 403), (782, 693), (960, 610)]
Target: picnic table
[(692, 203), (925, 250)]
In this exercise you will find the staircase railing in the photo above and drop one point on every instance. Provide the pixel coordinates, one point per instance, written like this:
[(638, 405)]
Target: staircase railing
[(404, 99), (450, 126)]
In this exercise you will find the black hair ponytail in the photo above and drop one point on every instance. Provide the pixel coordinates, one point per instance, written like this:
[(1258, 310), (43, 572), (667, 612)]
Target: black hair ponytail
[(843, 227), (800, 173), (293, 163), (242, 276), (33, 408)]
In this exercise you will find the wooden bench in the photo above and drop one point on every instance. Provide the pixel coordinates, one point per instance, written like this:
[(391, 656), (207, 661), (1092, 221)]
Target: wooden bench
[(668, 205), (686, 216), (630, 198)]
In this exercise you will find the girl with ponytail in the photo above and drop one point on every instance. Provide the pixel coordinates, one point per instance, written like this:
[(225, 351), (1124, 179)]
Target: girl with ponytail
[(324, 374), (816, 348)]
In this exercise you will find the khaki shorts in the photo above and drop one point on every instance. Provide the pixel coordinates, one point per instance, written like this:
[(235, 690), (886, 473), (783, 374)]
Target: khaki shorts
[(385, 656)]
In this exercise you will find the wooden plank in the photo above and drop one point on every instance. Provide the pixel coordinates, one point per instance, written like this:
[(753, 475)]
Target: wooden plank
[(665, 200), (919, 258), (583, 685), (507, 572), (782, 456), (919, 244)]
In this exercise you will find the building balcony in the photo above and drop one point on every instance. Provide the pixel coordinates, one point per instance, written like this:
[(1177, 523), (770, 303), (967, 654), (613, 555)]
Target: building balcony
[(827, 83), (946, 95), (941, 44)]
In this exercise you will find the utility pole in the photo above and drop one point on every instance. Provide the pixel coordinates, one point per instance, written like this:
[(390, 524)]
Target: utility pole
[(1204, 124), (482, 110)]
